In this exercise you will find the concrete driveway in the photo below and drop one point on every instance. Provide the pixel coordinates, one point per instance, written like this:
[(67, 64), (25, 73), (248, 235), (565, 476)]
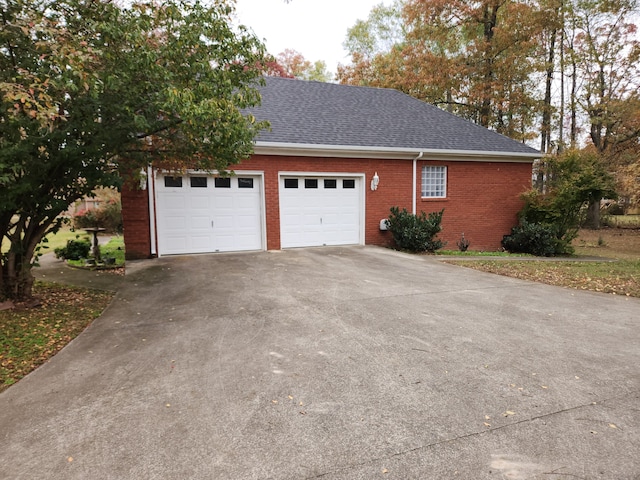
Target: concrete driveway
[(334, 363)]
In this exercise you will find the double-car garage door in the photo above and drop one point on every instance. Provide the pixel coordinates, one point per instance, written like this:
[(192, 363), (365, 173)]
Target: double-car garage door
[(202, 214), (317, 211)]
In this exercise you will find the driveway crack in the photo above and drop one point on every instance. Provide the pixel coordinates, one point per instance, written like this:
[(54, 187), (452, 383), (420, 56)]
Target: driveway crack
[(471, 435)]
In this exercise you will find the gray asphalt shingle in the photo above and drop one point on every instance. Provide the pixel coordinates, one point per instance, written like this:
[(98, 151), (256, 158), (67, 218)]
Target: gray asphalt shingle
[(303, 112)]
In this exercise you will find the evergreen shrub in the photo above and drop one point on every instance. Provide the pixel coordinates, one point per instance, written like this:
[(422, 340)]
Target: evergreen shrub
[(415, 233)]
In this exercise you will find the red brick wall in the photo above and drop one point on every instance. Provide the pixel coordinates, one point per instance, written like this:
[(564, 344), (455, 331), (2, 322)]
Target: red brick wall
[(136, 222), (482, 198), (393, 189)]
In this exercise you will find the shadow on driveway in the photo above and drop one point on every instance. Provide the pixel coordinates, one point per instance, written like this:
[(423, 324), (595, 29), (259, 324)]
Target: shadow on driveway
[(334, 363)]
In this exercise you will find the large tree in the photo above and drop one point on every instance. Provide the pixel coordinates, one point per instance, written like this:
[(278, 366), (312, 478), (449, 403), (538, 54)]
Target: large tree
[(472, 58), (375, 46), (607, 57), (516, 66), (296, 66), (90, 90)]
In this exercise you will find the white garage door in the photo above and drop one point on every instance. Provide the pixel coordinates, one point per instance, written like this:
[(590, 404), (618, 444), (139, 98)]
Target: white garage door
[(317, 211), (202, 214)]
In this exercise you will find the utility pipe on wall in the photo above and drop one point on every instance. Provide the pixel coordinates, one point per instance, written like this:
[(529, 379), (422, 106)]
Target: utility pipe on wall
[(151, 189), (415, 182)]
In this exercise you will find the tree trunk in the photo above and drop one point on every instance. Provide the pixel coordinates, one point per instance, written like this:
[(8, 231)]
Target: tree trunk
[(17, 279), (593, 215), (545, 143), (573, 105), (562, 75)]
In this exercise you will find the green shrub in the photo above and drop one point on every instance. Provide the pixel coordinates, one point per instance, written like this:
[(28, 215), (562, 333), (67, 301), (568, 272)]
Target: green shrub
[(538, 239), (416, 233), (75, 250)]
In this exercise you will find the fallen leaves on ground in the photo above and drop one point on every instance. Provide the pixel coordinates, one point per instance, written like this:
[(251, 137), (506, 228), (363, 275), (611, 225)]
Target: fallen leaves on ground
[(619, 278), (30, 336)]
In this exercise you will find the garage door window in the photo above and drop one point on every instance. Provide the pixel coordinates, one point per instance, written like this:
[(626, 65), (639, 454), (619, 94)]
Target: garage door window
[(223, 183), (310, 183), (290, 183), (348, 183), (330, 183), (173, 182), (245, 182), (198, 182)]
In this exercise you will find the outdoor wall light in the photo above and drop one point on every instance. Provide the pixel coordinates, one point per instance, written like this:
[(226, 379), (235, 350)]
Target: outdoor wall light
[(143, 179), (375, 181)]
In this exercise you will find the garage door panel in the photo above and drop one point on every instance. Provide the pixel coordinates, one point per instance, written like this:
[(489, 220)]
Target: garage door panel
[(176, 243), (246, 221), (200, 243), (223, 222), (226, 243), (173, 201), (209, 218), (247, 201), (200, 222), (320, 216), (176, 223)]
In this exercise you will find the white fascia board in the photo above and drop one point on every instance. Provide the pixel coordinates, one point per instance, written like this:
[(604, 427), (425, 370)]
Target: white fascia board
[(350, 151)]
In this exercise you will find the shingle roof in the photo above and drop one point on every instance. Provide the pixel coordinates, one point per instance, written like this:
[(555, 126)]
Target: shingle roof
[(315, 113)]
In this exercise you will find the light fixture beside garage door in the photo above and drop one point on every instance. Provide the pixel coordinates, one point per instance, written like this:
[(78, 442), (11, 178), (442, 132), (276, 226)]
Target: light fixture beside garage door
[(375, 181)]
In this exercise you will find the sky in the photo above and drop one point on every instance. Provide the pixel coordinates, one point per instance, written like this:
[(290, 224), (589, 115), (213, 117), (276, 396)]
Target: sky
[(315, 28)]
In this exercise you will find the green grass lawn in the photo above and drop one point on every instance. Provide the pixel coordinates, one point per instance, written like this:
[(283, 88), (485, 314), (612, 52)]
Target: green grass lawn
[(53, 241), (625, 221), (61, 238)]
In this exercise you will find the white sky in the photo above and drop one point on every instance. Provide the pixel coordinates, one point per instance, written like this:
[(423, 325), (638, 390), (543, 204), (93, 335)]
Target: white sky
[(315, 28)]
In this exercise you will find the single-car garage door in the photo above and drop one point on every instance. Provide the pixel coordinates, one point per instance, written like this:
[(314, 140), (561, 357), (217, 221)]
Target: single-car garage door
[(202, 214), (317, 211)]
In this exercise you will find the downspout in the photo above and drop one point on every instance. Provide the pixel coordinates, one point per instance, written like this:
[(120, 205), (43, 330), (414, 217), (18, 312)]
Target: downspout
[(415, 182), (151, 188)]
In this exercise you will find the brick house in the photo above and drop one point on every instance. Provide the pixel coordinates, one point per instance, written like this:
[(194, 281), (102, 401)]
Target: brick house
[(336, 159)]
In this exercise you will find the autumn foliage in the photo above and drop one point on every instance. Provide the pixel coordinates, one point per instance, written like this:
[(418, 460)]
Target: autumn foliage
[(566, 74)]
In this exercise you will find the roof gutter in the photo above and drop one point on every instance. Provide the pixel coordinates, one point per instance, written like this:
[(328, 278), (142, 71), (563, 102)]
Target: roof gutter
[(415, 183), (353, 151)]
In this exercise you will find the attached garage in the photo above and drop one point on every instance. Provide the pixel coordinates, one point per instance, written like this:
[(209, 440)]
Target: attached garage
[(198, 213), (307, 182), (321, 210)]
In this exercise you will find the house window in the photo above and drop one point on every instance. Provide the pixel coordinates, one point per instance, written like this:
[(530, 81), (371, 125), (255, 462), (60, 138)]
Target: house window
[(245, 182), (198, 182), (222, 182), (173, 181), (290, 183), (434, 181), (310, 183)]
